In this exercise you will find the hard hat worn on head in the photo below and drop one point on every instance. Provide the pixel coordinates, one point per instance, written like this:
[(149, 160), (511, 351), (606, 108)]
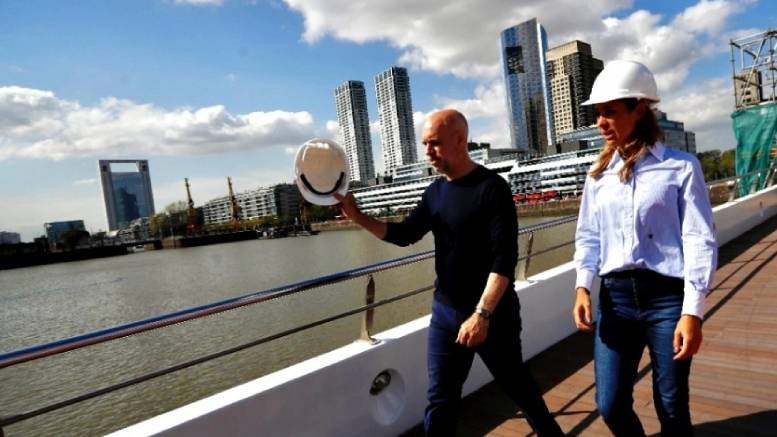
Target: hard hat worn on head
[(321, 171), (622, 80)]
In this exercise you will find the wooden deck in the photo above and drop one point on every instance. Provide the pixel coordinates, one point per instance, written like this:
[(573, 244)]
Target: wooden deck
[(733, 378)]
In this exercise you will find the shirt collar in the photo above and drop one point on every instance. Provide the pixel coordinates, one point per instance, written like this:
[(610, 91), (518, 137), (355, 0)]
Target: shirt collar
[(657, 151)]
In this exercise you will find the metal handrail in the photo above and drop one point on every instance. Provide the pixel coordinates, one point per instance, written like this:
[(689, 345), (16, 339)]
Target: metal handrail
[(124, 330), (104, 335), (48, 349), (100, 336), (10, 420)]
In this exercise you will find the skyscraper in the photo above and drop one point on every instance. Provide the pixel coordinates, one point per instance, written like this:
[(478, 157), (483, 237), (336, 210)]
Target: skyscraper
[(127, 194), (395, 110), (351, 102), (526, 83), (572, 70)]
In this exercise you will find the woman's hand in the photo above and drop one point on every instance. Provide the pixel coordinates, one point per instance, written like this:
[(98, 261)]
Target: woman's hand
[(582, 310), (687, 337)]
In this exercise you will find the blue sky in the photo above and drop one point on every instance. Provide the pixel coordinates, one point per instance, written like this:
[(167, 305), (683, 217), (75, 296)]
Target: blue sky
[(207, 89)]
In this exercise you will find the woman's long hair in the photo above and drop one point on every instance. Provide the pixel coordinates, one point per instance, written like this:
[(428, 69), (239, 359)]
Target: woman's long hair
[(646, 133)]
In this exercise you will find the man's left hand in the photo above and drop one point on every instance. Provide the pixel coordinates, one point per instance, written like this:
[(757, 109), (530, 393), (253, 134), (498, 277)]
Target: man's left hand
[(473, 331)]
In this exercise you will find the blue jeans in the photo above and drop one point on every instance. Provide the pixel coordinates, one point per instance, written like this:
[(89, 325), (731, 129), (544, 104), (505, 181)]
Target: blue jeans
[(449, 364), (639, 308)]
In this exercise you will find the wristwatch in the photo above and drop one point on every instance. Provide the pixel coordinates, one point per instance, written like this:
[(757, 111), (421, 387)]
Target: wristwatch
[(484, 313)]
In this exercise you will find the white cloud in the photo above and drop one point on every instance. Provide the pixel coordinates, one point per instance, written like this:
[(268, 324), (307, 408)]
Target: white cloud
[(230, 77), (706, 16), (459, 38), (462, 39), (705, 109), (37, 124), (199, 2)]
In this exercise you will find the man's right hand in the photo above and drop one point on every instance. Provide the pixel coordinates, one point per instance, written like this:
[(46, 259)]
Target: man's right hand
[(582, 310), (348, 205)]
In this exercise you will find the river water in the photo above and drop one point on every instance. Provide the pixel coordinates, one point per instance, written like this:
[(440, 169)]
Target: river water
[(46, 303)]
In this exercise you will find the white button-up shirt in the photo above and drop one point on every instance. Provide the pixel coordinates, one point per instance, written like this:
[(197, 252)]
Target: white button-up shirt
[(660, 220)]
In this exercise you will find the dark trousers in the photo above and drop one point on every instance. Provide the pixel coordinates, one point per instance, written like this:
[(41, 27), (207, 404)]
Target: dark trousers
[(640, 308), (449, 364)]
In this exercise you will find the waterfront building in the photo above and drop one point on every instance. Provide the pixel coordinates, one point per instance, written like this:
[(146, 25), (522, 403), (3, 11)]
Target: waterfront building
[(481, 153), (415, 170), (572, 70), (404, 194), (581, 138), (10, 238), (136, 230), (675, 136), (527, 88), (280, 200), (562, 173), (55, 230), (351, 103), (126, 187), (395, 111)]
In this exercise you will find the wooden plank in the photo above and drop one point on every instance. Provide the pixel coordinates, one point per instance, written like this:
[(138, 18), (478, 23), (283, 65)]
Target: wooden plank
[(733, 379)]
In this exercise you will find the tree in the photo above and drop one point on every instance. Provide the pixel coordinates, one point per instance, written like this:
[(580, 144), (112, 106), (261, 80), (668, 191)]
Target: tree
[(717, 165)]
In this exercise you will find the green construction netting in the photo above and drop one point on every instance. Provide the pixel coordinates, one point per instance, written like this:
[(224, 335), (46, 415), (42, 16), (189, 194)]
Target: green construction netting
[(754, 129)]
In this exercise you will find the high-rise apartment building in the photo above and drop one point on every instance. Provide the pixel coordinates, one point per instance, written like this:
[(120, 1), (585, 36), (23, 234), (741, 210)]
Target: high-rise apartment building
[(395, 110), (572, 70), (351, 102), (126, 191), (526, 82)]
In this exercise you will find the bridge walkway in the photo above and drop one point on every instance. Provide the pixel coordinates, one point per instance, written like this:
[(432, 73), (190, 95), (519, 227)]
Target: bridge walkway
[(733, 378)]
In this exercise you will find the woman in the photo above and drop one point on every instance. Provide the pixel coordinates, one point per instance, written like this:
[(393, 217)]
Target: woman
[(645, 228)]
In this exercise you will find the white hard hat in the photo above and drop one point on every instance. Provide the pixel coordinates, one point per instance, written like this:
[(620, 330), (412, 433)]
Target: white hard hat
[(321, 171), (621, 80)]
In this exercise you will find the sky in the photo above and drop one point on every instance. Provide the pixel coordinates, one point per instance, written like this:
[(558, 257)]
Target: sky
[(205, 89)]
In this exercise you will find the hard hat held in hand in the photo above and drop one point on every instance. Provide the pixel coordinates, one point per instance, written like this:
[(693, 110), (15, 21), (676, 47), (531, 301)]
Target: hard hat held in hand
[(622, 80), (321, 171)]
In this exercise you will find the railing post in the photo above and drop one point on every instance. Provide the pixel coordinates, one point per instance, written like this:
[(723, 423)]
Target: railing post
[(770, 177), (525, 266), (367, 317), (754, 183), (733, 194)]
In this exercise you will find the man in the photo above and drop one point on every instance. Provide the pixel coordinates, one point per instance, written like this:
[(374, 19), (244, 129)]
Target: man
[(475, 308)]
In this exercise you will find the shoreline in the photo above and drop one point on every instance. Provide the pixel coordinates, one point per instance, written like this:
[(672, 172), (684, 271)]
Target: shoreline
[(543, 209)]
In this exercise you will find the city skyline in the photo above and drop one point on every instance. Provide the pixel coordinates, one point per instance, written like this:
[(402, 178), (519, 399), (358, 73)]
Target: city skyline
[(210, 89)]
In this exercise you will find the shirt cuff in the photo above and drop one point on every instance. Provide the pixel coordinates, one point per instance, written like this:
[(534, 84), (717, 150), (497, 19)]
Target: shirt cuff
[(693, 302), (585, 279)]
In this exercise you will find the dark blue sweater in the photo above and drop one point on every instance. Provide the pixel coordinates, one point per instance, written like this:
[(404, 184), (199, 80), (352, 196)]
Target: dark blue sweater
[(475, 231)]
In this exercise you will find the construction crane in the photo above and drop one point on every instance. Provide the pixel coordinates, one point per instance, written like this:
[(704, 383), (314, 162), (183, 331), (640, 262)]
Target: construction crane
[(193, 225), (233, 200)]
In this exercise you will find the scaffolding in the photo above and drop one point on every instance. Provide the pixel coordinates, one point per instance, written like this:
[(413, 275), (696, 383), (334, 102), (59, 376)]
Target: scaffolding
[(754, 64)]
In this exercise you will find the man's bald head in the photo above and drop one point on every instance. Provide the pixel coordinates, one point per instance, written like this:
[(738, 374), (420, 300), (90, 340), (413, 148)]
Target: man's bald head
[(451, 119), (445, 140)]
